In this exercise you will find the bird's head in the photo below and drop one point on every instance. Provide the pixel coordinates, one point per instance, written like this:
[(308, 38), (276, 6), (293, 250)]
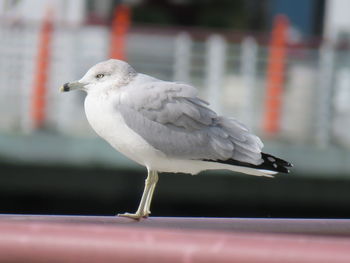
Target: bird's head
[(103, 76)]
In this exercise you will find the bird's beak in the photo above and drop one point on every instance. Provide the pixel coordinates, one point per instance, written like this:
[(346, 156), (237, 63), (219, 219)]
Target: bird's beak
[(72, 86)]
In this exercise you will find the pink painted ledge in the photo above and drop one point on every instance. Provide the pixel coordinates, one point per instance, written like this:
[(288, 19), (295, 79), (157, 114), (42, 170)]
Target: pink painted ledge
[(31, 238)]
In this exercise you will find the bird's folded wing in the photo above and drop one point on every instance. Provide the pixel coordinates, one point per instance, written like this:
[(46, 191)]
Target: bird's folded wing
[(171, 118)]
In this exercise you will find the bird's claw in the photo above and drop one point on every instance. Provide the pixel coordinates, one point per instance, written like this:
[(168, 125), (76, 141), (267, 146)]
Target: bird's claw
[(136, 216)]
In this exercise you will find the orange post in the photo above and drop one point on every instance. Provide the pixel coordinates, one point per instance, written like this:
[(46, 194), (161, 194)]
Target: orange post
[(275, 75), (120, 27), (38, 107)]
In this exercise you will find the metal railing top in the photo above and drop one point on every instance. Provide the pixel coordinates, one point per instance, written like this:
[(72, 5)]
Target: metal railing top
[(105, 239)]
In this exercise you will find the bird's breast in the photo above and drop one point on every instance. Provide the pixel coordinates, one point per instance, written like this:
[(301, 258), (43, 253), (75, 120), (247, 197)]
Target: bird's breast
[(109, 124)]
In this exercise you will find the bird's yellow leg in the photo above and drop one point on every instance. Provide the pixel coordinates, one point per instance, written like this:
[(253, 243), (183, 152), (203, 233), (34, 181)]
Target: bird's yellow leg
[(154, 180), (143, 209)]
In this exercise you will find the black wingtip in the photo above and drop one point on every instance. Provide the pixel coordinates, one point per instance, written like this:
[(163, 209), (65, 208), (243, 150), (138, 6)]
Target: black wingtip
[(275, 164), (270, 163)]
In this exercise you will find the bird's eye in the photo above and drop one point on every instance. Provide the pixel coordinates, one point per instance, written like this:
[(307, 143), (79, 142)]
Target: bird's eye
[(100, 76)]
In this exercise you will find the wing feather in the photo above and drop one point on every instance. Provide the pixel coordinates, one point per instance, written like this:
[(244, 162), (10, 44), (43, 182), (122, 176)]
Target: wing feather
[(175, 121)]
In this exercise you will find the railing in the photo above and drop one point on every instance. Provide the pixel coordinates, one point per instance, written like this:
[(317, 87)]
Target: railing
[(108, 239)]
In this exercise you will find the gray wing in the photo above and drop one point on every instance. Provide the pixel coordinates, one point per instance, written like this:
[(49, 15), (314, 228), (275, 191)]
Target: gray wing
[(171, 118)]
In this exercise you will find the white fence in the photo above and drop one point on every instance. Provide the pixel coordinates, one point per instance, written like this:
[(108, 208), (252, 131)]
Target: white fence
[(232, 77)]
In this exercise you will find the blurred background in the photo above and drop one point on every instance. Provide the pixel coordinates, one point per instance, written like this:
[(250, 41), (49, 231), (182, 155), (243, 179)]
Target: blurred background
[(280, 66)]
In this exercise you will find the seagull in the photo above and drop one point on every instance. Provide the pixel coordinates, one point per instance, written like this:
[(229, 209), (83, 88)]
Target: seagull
[(166, 127)]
